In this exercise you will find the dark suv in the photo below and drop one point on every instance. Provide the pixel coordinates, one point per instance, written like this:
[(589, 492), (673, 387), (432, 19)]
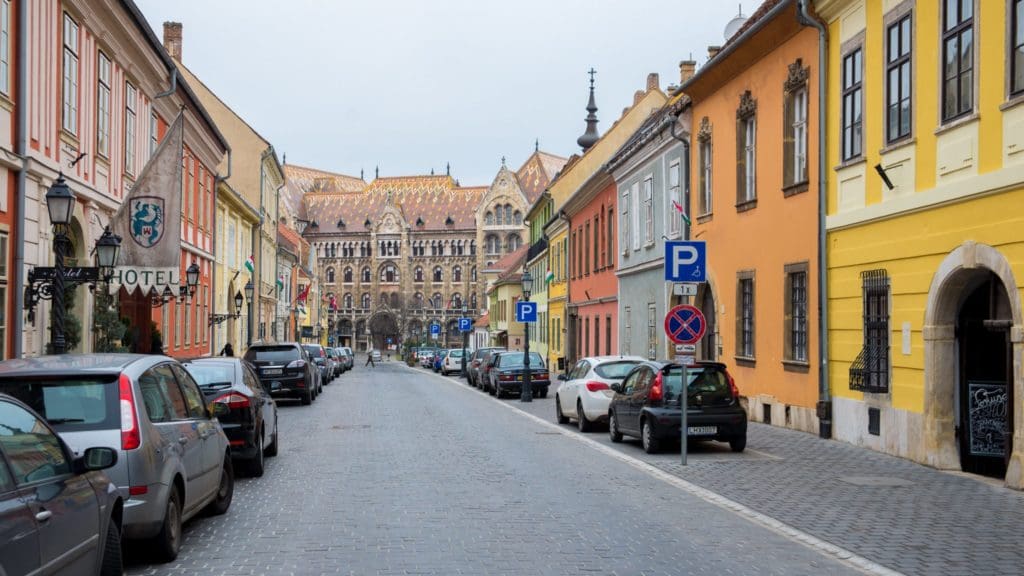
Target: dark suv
[(285, 368), (646, 405), (506, 374)]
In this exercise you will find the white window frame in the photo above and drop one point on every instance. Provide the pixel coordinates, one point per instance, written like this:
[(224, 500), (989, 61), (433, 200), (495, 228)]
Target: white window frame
[(800, 135), (652, 330), (706, 198), (624, 214), (104, 67), (627, 345), (154, 131), (635, 208), (750, 158), (5, 47), (131, 96), (674, 195), (648, 190), (69, 116)]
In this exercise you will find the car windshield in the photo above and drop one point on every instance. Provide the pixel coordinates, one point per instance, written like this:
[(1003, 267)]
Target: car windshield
[(314, 351), (455, 354), (211, 374), (70, 403), (615, 370), (272, 354), (515, 360), (706, 380)]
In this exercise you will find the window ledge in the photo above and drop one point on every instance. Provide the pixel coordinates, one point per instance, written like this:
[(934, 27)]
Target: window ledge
[(902, 143), (957, 123), (703, 219), (851, 162), (1012, 102), (747, 361), (795, 188), (69, 139), (746, 205), (796, 366)]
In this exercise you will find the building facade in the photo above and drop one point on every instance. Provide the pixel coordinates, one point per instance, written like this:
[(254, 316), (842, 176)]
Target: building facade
[(925, 320)]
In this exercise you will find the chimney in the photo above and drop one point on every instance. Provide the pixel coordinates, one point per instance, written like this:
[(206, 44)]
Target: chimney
[(687, 68), (172, 39), (638, 96), (713, 51), (652, 81)]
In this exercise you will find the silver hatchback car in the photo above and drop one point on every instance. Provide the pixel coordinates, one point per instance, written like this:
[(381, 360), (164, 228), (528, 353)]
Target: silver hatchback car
[(173, 459)]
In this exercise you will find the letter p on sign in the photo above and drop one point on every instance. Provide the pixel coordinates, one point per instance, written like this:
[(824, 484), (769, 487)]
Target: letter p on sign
[(686, 261)]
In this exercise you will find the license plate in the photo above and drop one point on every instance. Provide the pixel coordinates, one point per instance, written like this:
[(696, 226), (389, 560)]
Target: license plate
[(275, 385), (701, 430), (519, 378), (270, 371)]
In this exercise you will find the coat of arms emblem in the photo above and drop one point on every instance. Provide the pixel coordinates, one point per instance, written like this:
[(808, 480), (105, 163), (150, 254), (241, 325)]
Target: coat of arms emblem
[(147, 220)]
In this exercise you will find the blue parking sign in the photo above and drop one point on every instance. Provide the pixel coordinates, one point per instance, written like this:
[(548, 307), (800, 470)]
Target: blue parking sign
[(526, 311), (435, 329), (686, 261), (465, 324)]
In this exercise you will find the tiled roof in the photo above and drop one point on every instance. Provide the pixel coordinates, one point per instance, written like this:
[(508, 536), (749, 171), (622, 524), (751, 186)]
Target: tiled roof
[(291, 237), (483, 321), (765, 7), (299, 180), (511, 264), (650, 128), (434, 199), (537, 172)]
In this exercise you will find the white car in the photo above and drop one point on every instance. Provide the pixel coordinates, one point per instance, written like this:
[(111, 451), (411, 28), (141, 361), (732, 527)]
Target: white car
[(452, 361), (585, 392)]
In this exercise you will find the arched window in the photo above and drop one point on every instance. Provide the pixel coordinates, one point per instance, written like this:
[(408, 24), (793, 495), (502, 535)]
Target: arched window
[(437, 301), (346, 300), (417, 274), (472, 301), (366, 274), (348, 275), (389, 273), (438, 275), (366, 302), (498, 213), (508, 213), (457, 274), (518, 218), (489, 218), (330, 275), (472, 247), (514, 242), (334, 250), (395, 304), (457, 301), (360, 327), (383, 299), (472, 274), (492, 244), (417, 301)]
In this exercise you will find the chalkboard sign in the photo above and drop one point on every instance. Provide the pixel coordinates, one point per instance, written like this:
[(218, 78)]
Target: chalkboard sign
[(987, 406)]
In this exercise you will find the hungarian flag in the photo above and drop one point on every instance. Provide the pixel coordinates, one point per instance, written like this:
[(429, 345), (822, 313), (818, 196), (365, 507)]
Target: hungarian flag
[(549, 277), (333, 303), (679, 208), (280, 283), (250, 264)]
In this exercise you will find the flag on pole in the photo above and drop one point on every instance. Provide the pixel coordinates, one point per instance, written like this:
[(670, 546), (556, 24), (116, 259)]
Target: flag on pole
[(280, 283), (679, 208), (250, 264), (549, 277)]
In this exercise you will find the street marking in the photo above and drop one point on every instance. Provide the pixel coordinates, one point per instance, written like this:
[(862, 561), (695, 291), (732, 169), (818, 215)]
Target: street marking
[(825, 548)]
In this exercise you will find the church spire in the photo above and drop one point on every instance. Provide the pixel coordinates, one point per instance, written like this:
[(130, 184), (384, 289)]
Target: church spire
[(590, 136)]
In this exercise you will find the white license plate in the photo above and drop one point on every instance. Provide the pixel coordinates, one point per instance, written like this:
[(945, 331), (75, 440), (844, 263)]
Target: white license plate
[(701, 430), (270, 371)]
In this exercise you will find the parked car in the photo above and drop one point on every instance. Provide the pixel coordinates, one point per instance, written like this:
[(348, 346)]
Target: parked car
[(376, 355), (333, 363), (58, 512), (439, 359), (286, 370), (646, 405), (452, 361), (585, 391), (173, 459), (482, 378), (319, 357), (347, 358), (473, 363), (426, 357), (251, 420), (507, 374)]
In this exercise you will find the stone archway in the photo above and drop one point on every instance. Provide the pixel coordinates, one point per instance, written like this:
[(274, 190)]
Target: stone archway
[(382, 326), (950, 284)]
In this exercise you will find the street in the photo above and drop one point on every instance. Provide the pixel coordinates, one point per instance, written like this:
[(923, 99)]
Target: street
[(395, 470)]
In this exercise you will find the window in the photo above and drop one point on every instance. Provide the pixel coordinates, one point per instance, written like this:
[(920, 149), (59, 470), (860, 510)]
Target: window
[(609, 238), (33, 451), (4, 245), (438, 274), (745, 319), (853, 104), (179, 311), (69, 118), (193, 397), (330, 275), (366, 302), (366, 274), (870, 370), (493, 244), (457, 274), (154, 129), (5, 46), (418, 274), (624, 224), (129, 130), (795, 325), (746, 150), (649, 210), (489, 218), (514, 242), (585, 253), (103, 106), (597, 243), (348, 275), (704, 137), (675, 199), (957, 58), (899, 39), (1017, 47), (794, 137), (635, 224), (189, 305), (389, 274), (597, 335), (652, 331), (585, 341), (472, 274)]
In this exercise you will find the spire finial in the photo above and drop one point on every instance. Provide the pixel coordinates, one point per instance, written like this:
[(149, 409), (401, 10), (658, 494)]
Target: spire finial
[(361, 176), (431, 171), (536, 144), (502, 161), (448, 169), (590, 136), (376, 172)]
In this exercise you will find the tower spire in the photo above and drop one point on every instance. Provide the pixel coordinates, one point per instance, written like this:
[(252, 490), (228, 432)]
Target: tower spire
[(590, 136)]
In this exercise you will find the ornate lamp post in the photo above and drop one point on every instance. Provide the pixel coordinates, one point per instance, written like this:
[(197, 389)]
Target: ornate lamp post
[(465, 341), (248, 298), (219, 318), (527, 392)]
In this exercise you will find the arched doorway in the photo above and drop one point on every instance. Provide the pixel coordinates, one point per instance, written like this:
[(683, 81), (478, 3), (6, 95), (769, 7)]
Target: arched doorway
[(974, 319), (384, 330), (707, 349)]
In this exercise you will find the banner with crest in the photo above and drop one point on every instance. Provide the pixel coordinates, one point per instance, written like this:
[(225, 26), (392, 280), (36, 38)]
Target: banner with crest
[(149, 220)]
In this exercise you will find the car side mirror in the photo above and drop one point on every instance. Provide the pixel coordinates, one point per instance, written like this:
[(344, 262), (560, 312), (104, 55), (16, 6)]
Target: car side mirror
[(96, 458), (218, 409), (616, 387)]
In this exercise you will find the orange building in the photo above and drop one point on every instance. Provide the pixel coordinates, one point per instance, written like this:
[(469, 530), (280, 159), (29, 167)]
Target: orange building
[(755, 201)]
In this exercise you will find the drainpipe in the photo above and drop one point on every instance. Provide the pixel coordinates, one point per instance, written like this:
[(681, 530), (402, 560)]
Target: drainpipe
[(824, 390), (570, 342), (213, 275), (686, 169), (174, 85), (21, 149)]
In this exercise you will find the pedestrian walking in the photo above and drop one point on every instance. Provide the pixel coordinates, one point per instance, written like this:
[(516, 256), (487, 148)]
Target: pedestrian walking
[(369, 360), (228, 350)]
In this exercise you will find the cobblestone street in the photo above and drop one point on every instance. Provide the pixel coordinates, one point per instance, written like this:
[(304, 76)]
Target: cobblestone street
[(397, 471)]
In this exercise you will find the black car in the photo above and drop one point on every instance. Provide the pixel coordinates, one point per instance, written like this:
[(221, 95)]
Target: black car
[(507, 370), (646, 405), (481, 379), (318, 355), (251, 419), (286, 370), (58, 512)]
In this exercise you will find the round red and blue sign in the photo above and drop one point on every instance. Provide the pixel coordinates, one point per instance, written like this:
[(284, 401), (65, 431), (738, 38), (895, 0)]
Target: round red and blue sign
[(685, 324)]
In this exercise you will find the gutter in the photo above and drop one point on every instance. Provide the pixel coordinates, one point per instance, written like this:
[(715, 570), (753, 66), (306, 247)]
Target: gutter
[(686, 170), (824, 389), (213, 273), (21, 148)]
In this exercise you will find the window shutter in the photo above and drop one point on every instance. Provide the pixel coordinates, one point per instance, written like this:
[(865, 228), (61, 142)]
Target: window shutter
[(741, 161), (788, 143)]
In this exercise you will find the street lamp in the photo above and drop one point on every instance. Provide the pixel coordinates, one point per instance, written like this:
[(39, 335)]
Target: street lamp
[(248, 298), (527, 391), (465, 341), (218, 318), (192, 278)]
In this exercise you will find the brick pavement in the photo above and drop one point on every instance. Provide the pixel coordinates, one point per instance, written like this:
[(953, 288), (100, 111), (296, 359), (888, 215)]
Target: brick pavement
[(393, 471)]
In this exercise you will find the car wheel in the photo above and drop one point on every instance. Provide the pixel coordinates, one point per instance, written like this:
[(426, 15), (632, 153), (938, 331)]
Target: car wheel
[(613, 428), (167, 542), (581, 418), (491, 390), (650, 443), (226, 489), (255, 468), (738, 443), (271, 450), (113, 564), (559, 417), (307, 397), (543, 392)]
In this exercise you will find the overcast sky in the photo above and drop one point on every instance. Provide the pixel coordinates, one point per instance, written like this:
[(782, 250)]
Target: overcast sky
[(411, 85)]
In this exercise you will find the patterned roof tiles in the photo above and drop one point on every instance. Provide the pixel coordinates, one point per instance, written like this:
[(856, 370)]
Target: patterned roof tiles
[(300, 180), (537, 172)]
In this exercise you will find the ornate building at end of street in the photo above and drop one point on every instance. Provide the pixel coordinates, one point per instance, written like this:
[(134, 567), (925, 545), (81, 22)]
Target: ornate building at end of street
[(401, 253)]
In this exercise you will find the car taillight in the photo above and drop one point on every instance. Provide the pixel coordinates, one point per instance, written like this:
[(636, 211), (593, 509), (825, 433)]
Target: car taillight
[(233, 400), (296, 364), (130, 438), (595, 386), (657, 390), (732, 387), (504, 377)]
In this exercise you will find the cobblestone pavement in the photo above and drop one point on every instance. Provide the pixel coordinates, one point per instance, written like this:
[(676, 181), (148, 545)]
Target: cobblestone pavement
[(902, 515), (396, 471)]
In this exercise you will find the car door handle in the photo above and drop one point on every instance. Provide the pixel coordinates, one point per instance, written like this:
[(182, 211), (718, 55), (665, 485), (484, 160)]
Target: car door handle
[(43, 515)]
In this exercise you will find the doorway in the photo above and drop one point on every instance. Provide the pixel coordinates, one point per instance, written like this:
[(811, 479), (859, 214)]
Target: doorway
[(708, 346), (985, 392)]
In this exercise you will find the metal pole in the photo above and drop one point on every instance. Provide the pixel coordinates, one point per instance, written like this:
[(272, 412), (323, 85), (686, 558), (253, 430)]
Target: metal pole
[(684, 402), (248, 326), (527, 390), (58, 342)]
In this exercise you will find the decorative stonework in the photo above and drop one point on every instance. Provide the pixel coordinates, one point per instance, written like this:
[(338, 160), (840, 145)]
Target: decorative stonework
[(748, 106), (798, 76), (704, 133)]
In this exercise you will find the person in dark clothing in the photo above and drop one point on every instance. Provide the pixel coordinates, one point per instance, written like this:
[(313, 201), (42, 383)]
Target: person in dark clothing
[(369, 360), (228, 350)]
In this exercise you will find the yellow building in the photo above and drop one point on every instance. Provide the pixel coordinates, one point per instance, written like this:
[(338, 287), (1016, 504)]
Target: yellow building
[(504, 289), (925, 230)]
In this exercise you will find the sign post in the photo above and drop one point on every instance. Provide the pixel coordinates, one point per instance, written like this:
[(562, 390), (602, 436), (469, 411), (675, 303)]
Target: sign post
[(685, 325), (435, 331)]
